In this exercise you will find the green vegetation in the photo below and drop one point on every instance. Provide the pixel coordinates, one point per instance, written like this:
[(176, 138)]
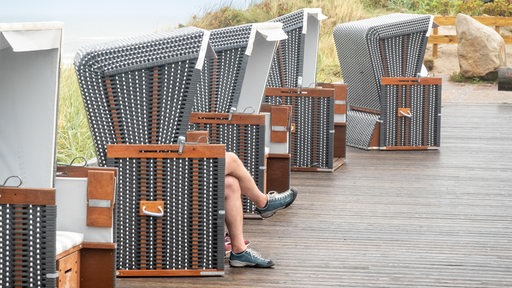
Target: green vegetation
[(445, 7), (74, 139), (459, 78)]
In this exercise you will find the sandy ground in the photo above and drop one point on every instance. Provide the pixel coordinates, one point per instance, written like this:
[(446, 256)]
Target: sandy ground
[(447, 63)]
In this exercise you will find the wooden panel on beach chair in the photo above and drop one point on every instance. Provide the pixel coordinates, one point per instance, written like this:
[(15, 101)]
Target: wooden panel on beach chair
[(411, 113), (312, 139), (180, 190), (340, 117), (27, 237)]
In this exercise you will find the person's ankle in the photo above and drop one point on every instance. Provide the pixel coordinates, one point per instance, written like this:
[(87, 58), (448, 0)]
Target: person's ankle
[(264, 203), (237, 251)]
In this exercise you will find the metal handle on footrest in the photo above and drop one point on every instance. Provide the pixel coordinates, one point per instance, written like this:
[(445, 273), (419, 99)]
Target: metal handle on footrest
[(404, 112), (153, 214)]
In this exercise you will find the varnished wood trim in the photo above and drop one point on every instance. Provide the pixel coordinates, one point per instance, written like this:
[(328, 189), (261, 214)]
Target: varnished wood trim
[(304, 92), (165, 151), (224, 118), (197, 136), (411, 81), (101, 186), (280, 117), (32, 196), (340, 108), (98, 245), (81, 171), (156, 273), (68, 251)]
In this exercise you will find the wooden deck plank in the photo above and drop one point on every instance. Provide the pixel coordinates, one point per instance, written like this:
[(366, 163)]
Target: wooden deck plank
[(437, 218)]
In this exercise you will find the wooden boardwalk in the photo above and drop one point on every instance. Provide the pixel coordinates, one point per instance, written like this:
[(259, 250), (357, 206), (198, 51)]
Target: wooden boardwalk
[(438, 218)]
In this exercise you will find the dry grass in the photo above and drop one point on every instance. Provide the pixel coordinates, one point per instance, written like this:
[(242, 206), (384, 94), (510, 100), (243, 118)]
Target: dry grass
[(338, 11), (73, 137)]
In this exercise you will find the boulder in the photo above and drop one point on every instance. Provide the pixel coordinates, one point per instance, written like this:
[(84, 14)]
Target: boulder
[(481, 50)]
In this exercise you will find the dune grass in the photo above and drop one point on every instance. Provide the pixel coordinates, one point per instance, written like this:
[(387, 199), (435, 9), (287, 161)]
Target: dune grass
[(337, 11), (73, 137)]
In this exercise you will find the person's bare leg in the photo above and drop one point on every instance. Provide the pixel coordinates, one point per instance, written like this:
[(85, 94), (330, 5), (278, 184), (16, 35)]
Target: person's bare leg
[(234, 214), (235, 168)]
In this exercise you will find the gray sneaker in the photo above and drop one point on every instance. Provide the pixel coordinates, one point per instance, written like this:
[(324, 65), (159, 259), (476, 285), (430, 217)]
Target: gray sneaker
[(249, 258), (277, 201)]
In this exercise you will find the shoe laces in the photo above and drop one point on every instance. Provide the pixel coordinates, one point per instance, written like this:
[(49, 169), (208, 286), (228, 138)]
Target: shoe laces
[(277, 196), (255, 254)]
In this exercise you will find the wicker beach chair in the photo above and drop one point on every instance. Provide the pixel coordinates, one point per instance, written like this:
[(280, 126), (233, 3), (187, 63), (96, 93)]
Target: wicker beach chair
[(371, 49), (231, 90), (293, 70), (139, 92), (29, 53)]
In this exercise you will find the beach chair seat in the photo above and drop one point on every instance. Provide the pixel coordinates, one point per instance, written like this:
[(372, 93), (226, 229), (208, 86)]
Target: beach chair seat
[(85, 198)]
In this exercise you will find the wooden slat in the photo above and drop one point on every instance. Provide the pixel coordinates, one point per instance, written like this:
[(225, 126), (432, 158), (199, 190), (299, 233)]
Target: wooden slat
[(81, 171), (197, 136), (225, 118), (486, 20), (29, 196), (280, 123), (411, 80), (165, 151), (434, 218), (100, 186), (174, 273), (340, 96), (452, 39), (98, 245), (295, 92), (92, 255)]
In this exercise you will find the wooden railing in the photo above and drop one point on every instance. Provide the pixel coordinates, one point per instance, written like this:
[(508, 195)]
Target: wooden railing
[(436, 39)]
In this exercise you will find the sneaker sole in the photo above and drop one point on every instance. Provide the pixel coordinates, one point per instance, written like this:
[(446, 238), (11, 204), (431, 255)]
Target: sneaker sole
[(240, 264)]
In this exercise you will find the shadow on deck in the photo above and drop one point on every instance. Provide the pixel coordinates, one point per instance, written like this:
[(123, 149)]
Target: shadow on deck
[(437, 218)]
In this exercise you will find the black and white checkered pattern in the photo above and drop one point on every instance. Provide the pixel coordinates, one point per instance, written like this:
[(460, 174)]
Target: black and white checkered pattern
[(27, 245), (222, 76), (288, 60), (140, 90), (385, 46)]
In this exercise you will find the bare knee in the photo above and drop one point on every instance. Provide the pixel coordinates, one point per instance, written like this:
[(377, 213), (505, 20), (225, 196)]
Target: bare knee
[(231, 187), (231, 158), (232, 162)]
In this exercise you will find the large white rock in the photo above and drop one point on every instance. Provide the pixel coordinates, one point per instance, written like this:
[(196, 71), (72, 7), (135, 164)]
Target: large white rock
[(481, 50)]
